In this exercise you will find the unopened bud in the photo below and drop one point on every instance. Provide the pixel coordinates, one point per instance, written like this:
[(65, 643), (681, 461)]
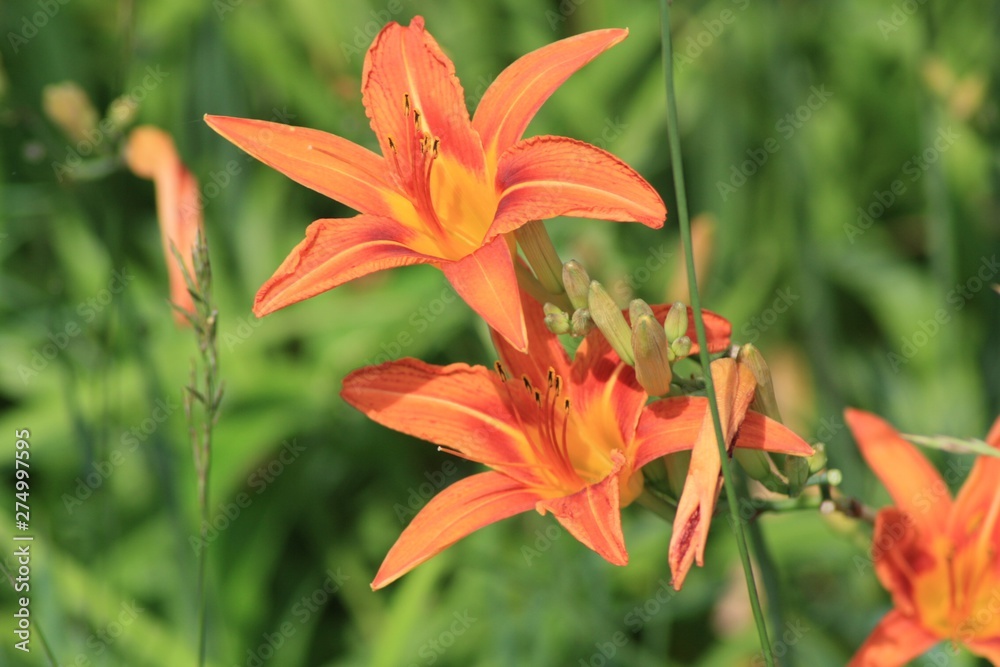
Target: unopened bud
[(680, 348), (818, 460), (581, 323), (676, 323), (69, 107), (576, 282), (797, 472), (757, 465), (764, 400), (649, 346), (556, 319), (639, 308), (609, 319)]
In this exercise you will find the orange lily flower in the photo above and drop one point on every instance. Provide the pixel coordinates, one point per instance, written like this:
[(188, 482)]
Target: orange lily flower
[(150, 153), (446, 189), (937, 556), (563, 437), (734, 387)]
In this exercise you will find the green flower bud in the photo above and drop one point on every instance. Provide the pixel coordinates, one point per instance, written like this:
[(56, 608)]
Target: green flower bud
[(649, 346), (556, 319), (577, 283), (581, 323), (609, 319), (676, 323), (680, 348)]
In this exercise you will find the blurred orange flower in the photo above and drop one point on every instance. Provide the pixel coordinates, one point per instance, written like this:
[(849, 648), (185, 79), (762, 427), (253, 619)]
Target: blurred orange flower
[(446, 189), (937, 556), (150, 153), (563, 437)]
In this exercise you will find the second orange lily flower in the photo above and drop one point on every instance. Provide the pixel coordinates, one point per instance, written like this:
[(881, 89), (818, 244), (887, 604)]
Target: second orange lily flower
[(446, 189), (564, 437)]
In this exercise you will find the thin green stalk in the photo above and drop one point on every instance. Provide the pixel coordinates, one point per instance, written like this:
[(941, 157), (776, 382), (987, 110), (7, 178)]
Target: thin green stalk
[(685, 227), (208, 393)]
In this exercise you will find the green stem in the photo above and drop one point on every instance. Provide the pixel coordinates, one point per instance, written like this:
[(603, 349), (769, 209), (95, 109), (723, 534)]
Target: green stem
[(685, 228), (657, 505)]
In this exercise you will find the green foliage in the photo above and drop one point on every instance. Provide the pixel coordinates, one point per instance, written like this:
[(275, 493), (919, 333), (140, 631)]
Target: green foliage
[(894, 315)]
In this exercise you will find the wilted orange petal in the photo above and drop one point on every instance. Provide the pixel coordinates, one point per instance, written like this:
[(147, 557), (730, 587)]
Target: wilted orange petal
[(545, 177), (328, 164), (515, 96), (334, 252), (486, 281), (914, 484), (407, 61), (458, 406), (593, 515), (460, 509), (734, 387), (150, 153), (896, 640)]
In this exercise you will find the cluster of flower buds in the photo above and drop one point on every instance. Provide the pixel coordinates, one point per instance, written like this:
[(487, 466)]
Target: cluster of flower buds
[(643, 344)]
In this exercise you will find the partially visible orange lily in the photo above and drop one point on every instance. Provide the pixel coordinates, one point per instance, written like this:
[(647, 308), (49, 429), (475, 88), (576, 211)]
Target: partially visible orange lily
[(563, 437), (150, 153), (940, 558), (734, 388), (446, 189)]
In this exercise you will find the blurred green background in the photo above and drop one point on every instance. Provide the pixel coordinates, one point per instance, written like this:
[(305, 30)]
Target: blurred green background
[(846, 155)]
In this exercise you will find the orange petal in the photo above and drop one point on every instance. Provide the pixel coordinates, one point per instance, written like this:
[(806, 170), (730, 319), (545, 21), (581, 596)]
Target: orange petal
[(545, 350), (486, 281), (456, 406), (150, 153), (717, 328), (406, 62), (515, 96), (914, 484), (334, 252), (760, 432), (896, 640), (900, 553), (669, 425), (460, 509), (328, 164), (545, 177), (978, 503), (593, 515), (734, 387), (989, 649)]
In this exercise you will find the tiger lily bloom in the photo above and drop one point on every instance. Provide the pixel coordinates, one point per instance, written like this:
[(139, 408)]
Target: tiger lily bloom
[(938, 557), (150, 153), (734, 386), (563, 437), (446, 191)]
